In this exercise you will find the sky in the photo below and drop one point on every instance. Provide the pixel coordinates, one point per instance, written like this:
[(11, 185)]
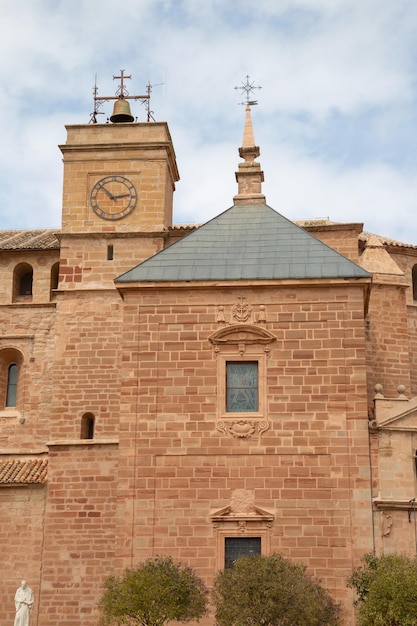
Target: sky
[(336, 120)]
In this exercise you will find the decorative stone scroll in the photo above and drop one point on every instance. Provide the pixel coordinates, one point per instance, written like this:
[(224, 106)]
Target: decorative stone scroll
[(242, 429)]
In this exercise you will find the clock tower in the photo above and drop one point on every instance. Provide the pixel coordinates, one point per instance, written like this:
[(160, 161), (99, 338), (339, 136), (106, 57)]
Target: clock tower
[(118, 177), (119, 180)]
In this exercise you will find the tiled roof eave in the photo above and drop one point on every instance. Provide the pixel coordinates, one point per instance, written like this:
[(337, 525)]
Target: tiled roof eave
[(23, 472), (29, 240)]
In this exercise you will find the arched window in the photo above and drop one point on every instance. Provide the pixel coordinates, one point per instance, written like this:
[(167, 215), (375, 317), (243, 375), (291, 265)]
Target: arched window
[(11, 362), (55, 276), (22, 281), (414, 276), (87, 426), (11, 390)]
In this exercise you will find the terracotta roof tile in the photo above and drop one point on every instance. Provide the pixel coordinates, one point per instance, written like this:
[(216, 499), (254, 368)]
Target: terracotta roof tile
[(386, 241), (44, 239), (13, 471)]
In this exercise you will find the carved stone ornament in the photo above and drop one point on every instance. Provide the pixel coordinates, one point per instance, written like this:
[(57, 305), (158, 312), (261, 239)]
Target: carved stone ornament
[(238, 334), (242, 502), (242, 513), (241, 313), (242, 429), (386, 524)]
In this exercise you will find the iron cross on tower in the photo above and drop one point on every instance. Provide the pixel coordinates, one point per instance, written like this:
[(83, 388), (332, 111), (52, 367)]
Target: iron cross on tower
[(122, 92), (248, 87)]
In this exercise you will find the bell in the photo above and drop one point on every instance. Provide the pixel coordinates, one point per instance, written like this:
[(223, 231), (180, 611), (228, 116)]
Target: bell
[(121, 112)]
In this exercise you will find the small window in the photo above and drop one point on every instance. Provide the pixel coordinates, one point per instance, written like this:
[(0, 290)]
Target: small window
[(25, 285), (87, 426), (22, 282), (54, 276), (238, 547), (11, 391), (110, 252), (242, 387), (414, 277)]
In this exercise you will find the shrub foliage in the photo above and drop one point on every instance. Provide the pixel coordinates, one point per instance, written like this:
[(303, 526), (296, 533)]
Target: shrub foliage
[(386, 588), (154, 593), (271, 591)]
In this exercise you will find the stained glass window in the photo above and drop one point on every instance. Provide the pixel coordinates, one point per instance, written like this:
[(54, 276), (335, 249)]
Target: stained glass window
[(236, 547), (242, 387)]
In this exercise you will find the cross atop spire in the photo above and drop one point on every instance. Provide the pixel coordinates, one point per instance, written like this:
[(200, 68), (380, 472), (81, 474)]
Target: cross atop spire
[(248, 87), (122, 92)]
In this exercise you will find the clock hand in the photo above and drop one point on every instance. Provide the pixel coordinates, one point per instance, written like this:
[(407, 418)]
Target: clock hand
[(108, 193), (121, 195)]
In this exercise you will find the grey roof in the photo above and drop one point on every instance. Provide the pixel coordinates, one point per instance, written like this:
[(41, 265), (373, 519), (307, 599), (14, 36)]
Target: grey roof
[(248, 241)]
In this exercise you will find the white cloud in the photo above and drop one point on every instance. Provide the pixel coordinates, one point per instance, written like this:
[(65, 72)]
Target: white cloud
[(337, 106)]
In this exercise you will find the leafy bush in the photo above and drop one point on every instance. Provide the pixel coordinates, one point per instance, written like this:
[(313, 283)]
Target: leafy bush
[(386, 588), (154, 593), (271, 591)]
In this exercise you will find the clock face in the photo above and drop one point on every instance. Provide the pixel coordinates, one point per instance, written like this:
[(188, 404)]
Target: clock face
[(113, 197)]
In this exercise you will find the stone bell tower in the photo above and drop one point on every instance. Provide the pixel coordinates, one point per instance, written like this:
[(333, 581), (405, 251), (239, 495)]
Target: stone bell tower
[(119, 180)]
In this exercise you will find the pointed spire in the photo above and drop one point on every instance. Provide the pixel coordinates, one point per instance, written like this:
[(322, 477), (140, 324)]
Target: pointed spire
[(248, 136), (375, 258), (249, 176)]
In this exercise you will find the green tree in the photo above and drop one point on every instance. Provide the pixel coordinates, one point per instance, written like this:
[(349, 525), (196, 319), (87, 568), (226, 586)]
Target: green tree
[(271, 591), (156, 592), (386, 588)]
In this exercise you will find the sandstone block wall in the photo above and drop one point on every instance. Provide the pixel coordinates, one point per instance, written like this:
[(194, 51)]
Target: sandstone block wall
[(309, 468)]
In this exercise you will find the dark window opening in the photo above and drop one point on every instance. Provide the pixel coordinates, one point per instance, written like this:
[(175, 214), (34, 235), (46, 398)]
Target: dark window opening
[(11, 392), (87, 426), (242, 387), (55, 276), (238, 547), (25, 284), (110, 253), (414, 276)]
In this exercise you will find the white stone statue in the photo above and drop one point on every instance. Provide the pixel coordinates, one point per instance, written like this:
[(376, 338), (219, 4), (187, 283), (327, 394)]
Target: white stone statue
[(23, 601)]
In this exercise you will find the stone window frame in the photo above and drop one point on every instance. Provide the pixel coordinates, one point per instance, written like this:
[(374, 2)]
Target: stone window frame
[(252, 355), (258, 523), (234, 343), (22, 282), (11, 356)]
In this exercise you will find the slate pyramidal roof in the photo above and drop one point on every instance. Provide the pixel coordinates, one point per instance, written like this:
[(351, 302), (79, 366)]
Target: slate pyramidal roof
[(249, 241)]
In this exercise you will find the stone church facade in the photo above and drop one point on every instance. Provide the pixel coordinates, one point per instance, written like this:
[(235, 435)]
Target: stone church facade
[(248, 385)]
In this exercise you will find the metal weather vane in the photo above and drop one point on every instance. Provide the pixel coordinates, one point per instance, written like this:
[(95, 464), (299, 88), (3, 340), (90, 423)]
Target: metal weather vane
[(249, 88)]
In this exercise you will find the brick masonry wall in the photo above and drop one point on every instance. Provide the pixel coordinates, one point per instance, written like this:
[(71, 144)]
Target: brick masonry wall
[(41, 263), (310, 468), (87, 363), (28, 329), (78, 550), (388, 356), (21, 537), (340, 237)]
